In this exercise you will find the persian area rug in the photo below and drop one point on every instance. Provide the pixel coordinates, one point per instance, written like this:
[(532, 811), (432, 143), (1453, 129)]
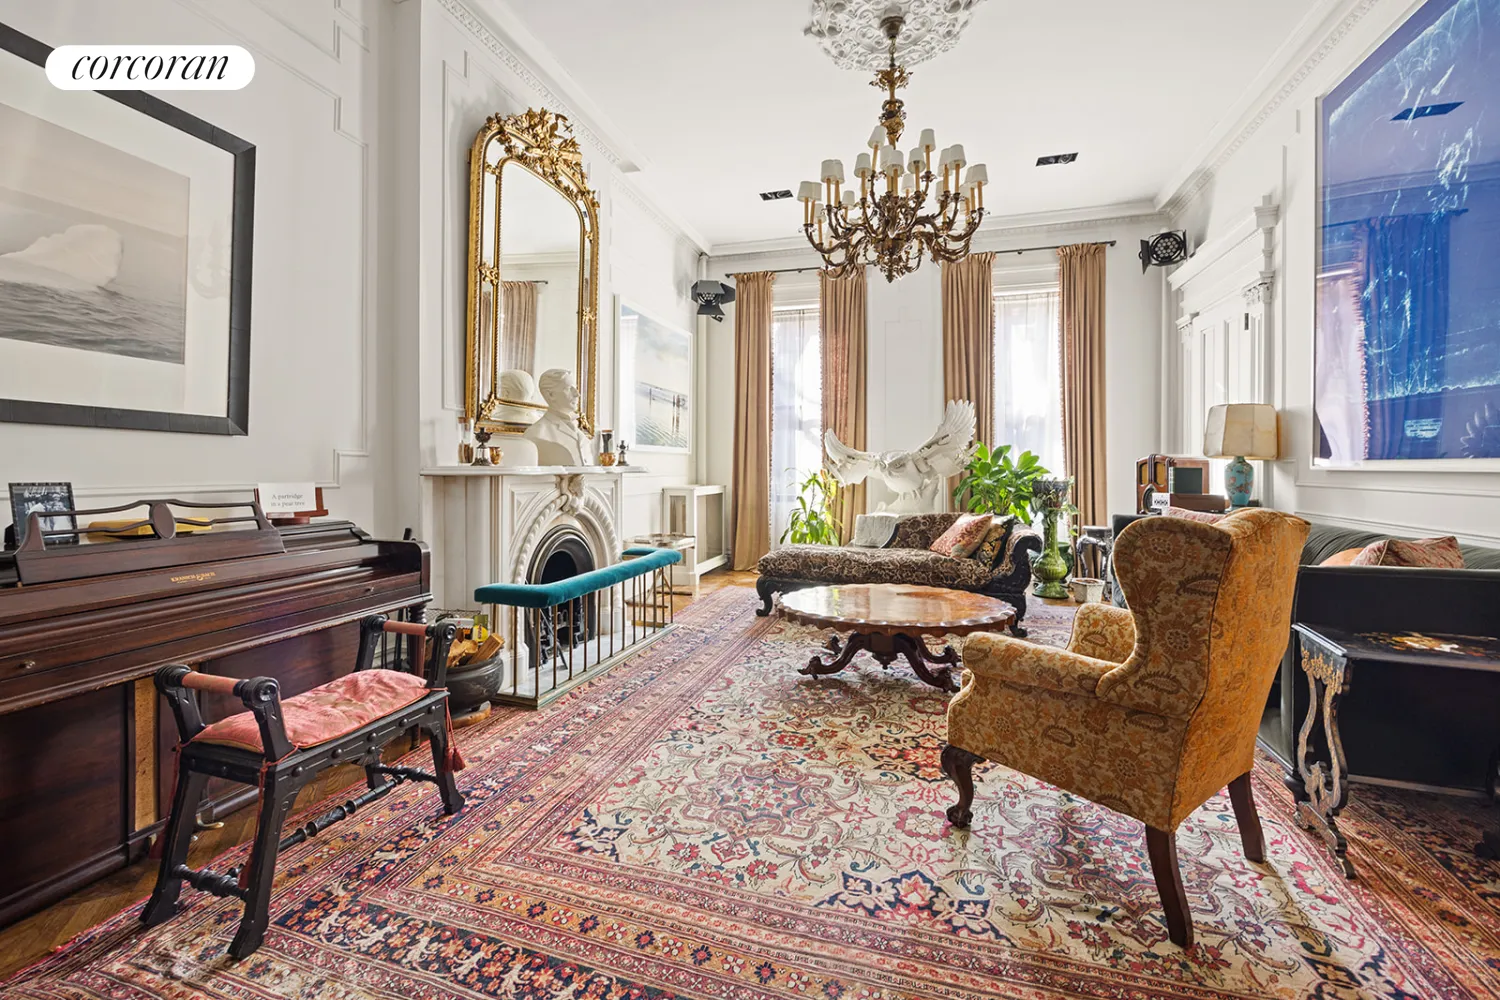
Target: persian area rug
[(706, 823)]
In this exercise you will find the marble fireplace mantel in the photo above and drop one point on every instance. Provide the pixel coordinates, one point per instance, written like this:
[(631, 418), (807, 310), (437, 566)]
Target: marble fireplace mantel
[(485, 523)]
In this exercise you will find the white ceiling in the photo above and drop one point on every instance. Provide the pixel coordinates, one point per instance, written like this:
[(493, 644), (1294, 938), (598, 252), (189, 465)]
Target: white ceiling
[(725, 100)]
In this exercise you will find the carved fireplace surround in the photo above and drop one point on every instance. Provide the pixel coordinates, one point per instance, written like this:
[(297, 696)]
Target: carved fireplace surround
[(490, 525)]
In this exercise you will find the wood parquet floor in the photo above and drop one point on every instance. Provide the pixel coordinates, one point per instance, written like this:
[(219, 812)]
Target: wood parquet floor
[(31, 938)]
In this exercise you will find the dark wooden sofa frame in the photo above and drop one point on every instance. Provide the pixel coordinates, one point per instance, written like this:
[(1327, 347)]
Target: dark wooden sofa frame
[(283, 770)]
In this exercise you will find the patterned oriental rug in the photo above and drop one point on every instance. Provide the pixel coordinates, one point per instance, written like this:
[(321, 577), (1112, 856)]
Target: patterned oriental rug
[(705, 823)]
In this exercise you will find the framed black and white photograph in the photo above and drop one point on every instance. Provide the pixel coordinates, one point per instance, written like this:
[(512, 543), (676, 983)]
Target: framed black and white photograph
[(125, 237), (27, 498)]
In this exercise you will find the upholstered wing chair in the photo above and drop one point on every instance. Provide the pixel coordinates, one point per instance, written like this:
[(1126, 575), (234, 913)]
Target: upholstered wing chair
[(1151, 710)]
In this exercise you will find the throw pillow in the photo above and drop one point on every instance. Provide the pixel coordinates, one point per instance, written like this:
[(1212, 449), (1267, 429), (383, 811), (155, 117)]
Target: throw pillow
[(1423, 553), (993, 547), (966, 535), (1343, 558), (874, 531), (1208, 517)]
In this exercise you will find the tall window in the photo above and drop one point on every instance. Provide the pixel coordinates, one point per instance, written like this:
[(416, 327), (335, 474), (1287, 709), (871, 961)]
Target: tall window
[(1028, 374), (796, 409)]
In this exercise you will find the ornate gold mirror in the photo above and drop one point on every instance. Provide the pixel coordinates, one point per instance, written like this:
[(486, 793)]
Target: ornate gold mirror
[(533, 271)]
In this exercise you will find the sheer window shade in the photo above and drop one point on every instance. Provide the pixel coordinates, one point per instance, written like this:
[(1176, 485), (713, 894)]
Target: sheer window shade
[(1028, 374), (796, 409)]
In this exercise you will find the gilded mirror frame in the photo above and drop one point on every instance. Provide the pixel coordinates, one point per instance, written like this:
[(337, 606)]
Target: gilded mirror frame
[(542, 142)]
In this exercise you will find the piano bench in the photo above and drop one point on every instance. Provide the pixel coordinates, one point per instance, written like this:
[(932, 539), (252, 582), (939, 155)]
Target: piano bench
[(282, 747)]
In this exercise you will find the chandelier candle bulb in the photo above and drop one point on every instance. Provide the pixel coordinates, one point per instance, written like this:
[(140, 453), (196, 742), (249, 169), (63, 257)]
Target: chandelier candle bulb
[(890, 160)]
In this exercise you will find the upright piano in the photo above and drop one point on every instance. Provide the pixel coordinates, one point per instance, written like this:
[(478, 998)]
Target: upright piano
[(86, 749)]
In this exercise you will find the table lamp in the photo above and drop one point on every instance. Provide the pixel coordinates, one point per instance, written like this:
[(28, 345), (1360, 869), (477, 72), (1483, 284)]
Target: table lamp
[(1240, 431)]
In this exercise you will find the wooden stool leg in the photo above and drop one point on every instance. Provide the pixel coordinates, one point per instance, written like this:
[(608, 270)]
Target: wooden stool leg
[(1243, 799), (275, 803), (453, 799), (1161, 845), (163, 903)]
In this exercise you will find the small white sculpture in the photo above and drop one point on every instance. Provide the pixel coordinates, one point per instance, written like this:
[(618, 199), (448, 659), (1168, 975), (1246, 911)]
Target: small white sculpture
[(556, 435), (914, 476), (517, 385)]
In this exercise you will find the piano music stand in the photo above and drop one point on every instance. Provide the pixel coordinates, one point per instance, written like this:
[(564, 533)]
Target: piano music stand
[(281, 766)]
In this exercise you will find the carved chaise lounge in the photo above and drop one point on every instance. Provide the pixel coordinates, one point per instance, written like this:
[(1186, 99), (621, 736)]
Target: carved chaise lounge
[(906, 559)]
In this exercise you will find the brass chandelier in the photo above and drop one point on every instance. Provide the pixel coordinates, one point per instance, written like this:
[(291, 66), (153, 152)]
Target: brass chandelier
[(890, 223)]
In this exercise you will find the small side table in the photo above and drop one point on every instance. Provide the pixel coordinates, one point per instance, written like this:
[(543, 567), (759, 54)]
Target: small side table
[(1328, 656), (1321, 783), (683, 544)]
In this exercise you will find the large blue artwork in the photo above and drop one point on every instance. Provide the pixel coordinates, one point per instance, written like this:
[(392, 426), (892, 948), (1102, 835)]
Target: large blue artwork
[(1407, 340)]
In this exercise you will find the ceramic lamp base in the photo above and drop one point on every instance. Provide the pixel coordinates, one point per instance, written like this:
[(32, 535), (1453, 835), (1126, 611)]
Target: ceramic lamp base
[(1239, 481)]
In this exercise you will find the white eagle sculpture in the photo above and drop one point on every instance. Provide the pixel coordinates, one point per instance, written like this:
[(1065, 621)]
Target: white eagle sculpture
[(914, 476)]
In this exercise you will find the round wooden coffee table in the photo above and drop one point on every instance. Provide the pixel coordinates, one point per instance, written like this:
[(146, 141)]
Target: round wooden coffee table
[(892, 620)]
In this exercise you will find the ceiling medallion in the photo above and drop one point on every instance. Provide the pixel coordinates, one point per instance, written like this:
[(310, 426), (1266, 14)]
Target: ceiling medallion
[(850, 30), (890, 223)]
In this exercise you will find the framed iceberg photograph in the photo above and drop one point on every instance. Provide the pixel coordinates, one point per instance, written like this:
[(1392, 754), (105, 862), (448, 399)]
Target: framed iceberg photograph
[(1407, 327), (656, 382), (125, 239)]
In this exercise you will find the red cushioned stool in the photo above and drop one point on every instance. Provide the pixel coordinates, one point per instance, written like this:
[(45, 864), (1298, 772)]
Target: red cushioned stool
[(281, 747)]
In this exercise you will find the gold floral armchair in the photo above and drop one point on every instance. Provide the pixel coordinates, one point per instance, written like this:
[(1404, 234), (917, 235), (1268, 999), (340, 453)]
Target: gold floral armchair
[(1151, 710)]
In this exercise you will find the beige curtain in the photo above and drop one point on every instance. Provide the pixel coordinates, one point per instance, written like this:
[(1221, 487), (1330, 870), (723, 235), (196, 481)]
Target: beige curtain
[(751, 500), (844, 342), (518, 326), (969, 340), (1081, 283)]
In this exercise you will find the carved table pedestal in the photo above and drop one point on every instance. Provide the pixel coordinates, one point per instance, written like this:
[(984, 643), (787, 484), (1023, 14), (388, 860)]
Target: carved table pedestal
[(891, 621)]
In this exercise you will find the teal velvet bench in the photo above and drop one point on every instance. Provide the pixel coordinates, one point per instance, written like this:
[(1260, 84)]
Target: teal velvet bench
[(562, 633)]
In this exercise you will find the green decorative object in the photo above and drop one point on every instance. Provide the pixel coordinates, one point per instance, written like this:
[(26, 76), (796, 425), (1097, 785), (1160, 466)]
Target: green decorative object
[(813, 521), (994, 483), (1051, 570)]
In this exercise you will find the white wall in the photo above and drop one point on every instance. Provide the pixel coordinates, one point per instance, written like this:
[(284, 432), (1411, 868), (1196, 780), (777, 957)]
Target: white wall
[(906, 397), (316, 117), (1271, 152)]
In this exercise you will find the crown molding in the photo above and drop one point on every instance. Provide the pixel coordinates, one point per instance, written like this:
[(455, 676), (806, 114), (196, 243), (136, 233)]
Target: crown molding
[(995, 229), (1326, 25), (680, 231), (1002, 228), (501, 31)]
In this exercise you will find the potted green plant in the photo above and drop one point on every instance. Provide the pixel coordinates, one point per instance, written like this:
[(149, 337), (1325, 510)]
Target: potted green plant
[(1051, 503), (813, 521), (995, 483)]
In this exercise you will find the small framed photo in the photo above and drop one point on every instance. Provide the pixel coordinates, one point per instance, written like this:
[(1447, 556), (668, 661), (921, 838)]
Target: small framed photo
[(26, 498)]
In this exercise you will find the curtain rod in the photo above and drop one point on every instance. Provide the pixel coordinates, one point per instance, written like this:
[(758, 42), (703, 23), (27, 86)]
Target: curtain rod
[(814, 267)]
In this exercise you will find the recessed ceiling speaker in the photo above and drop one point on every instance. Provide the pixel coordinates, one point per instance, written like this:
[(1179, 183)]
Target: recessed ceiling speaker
[(711, 297), (1164, 249)]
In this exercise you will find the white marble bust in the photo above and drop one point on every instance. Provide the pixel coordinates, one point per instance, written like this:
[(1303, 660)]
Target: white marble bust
[(516, 384), (556, 435)]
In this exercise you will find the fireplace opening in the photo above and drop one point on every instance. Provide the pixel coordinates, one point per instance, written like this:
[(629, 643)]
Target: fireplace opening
[(562, 553)]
